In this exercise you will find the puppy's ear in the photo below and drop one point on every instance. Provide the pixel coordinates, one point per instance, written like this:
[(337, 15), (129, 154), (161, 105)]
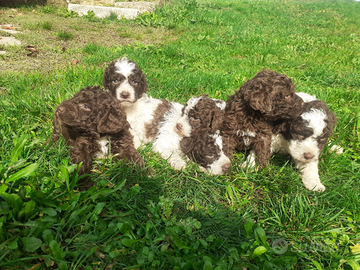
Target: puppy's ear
[(187, 145), (113, 121), (217, 118), (261, 101)]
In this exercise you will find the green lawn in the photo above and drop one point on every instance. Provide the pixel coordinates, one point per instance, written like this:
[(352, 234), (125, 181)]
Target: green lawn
[(187, 219)]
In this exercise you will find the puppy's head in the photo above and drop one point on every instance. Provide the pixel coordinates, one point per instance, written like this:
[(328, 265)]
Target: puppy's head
[(273, 95), (200, 113), (307, 135), (125, 80), (92, 110), (207, 150)]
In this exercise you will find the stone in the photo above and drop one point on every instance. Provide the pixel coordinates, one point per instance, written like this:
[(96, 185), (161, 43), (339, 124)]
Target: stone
[(103, 12), (93, 2), (9, 41), (142, 6)]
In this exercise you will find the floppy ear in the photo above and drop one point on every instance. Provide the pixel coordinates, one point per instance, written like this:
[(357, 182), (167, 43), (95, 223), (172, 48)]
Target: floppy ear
[(261, 101), (113, 121), (187, 145), (217, 118)]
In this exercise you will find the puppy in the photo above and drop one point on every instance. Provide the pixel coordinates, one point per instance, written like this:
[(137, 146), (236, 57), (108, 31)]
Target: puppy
[(91, 120), (128, 84), (262, 102), (201, 113), (200, 121), (304, 138), (208, 150)]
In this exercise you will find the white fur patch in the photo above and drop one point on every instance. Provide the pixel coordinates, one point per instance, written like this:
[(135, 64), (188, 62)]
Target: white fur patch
[(216, 168), (124, 67), (316, 119), (138, 115), (306, 97), (104, 147)]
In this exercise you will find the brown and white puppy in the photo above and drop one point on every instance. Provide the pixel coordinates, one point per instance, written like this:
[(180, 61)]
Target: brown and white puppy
[(200, 121), (128, 84), (91, 120), (304, 138), (208, 150), (262, 102), (201, 113)]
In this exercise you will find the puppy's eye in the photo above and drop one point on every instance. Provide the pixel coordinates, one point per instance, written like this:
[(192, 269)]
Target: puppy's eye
[(134, 83), (85, 107), (194, 119), (287, 97), (115, 81), (210, 156)]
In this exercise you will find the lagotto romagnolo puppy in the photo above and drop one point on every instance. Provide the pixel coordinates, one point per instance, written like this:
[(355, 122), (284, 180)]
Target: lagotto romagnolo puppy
[(152, 120), (91, 120), (200, 121), (128, 84), (266, 100), (304, 138)]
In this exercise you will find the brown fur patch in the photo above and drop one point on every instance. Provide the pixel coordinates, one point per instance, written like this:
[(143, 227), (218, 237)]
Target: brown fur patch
[(152, 128)]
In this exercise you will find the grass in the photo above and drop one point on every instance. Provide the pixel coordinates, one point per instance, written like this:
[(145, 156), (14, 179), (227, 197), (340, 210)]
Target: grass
[(186, 219)]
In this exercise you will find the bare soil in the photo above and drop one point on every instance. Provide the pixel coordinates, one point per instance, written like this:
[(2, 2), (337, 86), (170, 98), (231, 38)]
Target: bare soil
[(50, 41)]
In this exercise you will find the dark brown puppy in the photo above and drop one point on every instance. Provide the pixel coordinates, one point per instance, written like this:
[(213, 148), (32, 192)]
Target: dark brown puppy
[(88, 122), (251, 113)]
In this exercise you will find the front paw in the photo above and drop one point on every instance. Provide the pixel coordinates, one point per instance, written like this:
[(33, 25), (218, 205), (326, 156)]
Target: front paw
[(315, 186)]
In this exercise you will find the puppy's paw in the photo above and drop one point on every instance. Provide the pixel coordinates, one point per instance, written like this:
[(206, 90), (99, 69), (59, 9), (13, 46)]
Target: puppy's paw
[(250, 166), (315, 186), (179, 165)]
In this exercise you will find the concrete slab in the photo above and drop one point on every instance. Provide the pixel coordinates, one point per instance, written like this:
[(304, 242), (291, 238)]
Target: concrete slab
[(4, 28), (142, 6), (9, 41), (103, 12), (93, 2)]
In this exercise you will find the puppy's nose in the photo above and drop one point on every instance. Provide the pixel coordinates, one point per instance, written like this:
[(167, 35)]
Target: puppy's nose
[(125, 95), (61, 109), (309, 156), (225, 167), (179, 127)]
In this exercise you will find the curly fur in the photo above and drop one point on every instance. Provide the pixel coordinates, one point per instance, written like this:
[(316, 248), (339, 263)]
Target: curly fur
[(125, 80), (200, 121), (201, 113), (266, 100), (144, 113), (207, 149), (88, 122), (304, 138)]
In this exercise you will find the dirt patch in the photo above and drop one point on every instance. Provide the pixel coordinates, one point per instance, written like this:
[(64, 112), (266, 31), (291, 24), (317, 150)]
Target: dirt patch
[(59, 40)]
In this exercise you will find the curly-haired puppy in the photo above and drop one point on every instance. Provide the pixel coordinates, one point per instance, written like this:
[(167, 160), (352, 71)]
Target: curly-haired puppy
[(88, 122), (266, 100), (200, 123), (128, 84), (208, 150), (201, 113), (304, 138)]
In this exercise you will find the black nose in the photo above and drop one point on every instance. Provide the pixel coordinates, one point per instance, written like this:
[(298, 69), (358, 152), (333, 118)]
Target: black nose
[(225, 167), (61, 109), (125, 95), (309, 156)]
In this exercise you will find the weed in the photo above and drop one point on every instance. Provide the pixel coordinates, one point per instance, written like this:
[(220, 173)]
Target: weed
[(45, 25), (65, 35)]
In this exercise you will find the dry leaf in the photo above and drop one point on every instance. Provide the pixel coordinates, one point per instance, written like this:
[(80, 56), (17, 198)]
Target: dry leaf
[(74, 62), (8, 27), (1, 11), (32, 54), (32, 49)]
